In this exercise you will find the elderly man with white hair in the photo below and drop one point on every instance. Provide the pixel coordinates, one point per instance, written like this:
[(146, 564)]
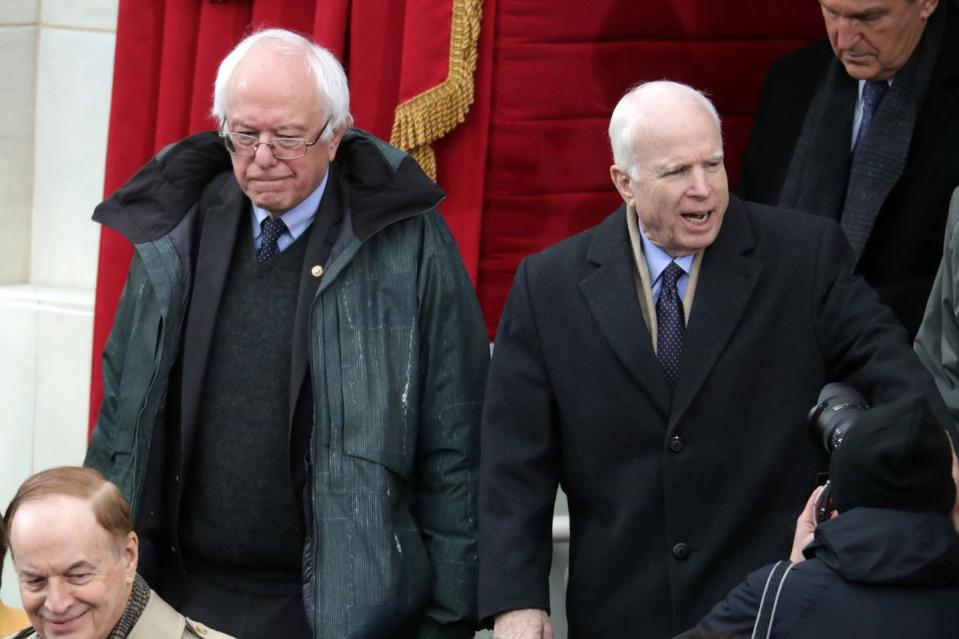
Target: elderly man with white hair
[(659, 367), (293, 382)]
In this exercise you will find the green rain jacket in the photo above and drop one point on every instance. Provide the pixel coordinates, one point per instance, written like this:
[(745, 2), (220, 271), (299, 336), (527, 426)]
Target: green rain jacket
[(398, 355)]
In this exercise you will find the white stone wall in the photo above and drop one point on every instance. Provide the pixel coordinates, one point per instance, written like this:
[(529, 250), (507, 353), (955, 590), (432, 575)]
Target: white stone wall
[(57, 70)]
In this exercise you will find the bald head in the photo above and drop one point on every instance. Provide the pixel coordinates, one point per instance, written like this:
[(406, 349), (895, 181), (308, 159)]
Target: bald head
[(668, 165), (644, 109)]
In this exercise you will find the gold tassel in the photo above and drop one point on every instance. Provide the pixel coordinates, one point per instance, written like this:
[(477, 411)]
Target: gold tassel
[(429, 116)]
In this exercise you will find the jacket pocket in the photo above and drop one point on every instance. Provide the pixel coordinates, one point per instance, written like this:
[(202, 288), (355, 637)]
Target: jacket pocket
[(379, 364)]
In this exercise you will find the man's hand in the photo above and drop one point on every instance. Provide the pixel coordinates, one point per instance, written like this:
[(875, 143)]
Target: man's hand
[(805, 527), (530, 623)]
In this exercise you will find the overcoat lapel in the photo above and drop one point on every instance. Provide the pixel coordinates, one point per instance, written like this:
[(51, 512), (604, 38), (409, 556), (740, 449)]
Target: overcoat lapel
[(610, 293), (220, 226), (727, 280)]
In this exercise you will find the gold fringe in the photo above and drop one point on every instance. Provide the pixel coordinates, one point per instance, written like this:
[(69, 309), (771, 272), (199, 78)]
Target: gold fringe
[(429, 116)]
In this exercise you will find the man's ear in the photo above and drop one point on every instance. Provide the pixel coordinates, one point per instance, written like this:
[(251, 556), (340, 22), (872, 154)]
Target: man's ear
[(334, 144), (131, 555), (623, 183), (926, 7)]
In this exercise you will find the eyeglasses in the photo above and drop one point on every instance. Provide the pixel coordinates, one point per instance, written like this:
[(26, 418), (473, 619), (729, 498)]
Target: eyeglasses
[(245, 145)]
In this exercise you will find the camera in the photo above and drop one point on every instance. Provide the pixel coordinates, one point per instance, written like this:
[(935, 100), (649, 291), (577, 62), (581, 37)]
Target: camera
[(838, 408)]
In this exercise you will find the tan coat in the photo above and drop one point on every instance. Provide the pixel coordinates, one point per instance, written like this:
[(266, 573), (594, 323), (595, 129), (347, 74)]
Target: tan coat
[(159, 621)]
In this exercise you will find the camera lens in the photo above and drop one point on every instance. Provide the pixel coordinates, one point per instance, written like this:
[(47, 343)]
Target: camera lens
[(840, 405)]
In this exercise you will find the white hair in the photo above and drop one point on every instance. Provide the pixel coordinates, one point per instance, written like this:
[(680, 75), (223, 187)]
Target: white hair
[(326, 71), (631, 113)]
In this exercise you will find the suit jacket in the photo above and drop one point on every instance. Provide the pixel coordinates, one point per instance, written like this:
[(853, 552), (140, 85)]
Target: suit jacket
[(903, 251), (672, 499)]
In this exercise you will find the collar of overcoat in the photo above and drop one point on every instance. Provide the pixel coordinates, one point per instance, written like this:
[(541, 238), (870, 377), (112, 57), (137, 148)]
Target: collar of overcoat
[(727, 281)]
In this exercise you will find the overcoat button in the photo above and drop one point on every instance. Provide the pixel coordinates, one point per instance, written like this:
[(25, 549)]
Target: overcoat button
[(317, 271), (680, 551), (676, 444)]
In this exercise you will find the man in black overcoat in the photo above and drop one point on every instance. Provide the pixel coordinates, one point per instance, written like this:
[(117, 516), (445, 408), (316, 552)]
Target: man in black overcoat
[(863, 128), (660, 367)]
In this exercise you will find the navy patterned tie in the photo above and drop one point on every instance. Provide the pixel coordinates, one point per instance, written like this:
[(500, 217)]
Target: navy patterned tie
[(273, 228), (872, 93), (670, 324)]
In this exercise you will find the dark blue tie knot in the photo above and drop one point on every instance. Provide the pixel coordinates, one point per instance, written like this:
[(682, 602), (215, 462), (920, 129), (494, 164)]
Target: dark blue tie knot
[(273, 228), (670, 324), (671, 275), (872, 92)]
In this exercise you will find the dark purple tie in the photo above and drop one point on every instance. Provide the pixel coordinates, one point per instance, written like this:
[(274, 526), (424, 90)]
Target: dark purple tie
[(670, 324), (273, 228)]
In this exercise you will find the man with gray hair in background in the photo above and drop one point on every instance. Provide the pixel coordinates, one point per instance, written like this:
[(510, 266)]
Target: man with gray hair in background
[(660, 367), (293, 382)]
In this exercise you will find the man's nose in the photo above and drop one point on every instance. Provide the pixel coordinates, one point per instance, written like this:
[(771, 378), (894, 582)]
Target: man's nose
[(847, 33), (59, 597), (264, 154), (699, 184)]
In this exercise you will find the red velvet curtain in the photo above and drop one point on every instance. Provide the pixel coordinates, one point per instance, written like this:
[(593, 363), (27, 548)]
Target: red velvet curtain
[(529, 164), (559, 68)]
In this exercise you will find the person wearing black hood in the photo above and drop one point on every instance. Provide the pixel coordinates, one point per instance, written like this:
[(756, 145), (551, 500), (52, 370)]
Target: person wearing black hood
[(887, 565)]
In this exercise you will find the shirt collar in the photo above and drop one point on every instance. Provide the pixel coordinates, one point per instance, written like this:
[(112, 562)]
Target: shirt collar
[(657, 259), (297, 219)]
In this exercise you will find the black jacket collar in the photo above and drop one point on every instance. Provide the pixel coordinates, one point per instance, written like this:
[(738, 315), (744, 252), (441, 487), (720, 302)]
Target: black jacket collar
[(381, 185)]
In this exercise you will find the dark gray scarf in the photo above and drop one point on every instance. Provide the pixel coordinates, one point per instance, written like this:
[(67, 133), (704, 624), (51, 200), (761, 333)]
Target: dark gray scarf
[(824, 178), (136, 604)]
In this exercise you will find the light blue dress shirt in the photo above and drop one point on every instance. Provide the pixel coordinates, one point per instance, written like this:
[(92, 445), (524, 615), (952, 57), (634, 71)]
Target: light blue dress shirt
[(297, 219), (656, 262)]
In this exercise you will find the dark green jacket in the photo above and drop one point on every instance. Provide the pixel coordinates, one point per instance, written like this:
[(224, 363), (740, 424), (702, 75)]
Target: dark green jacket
[(398, 356)]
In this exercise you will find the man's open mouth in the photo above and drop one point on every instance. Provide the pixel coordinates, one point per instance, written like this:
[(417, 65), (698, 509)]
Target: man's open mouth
[(697, 218)]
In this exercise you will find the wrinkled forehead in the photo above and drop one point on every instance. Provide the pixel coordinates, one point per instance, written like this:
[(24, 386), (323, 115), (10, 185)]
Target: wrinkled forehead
[(274, 80), (685, 128), (43, 517)]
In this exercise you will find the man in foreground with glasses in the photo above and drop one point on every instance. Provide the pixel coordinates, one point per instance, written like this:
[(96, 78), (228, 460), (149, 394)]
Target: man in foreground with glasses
[(293, 383)]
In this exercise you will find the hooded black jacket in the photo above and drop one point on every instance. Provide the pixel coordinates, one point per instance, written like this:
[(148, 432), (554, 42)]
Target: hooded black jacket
[(873, 573)]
